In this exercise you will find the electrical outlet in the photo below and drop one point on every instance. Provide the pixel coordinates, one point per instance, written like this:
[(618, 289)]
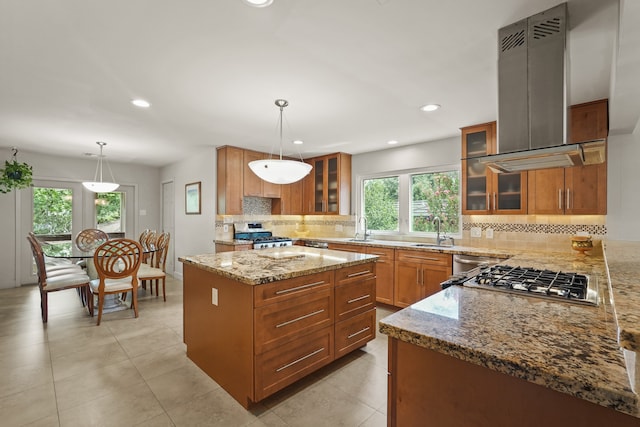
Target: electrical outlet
[(489, 233), (214, 296), (476, 232), (225, 228)]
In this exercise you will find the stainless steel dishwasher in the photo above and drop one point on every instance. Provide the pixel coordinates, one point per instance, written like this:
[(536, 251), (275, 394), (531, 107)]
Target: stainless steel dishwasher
[(463, 263)]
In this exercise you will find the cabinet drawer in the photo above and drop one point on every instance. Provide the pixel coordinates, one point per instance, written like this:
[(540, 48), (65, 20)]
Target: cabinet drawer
[(431, 258), (385, 254), (278, 323), (355, 298), (355, 332), (355, 272), (291, 288), (286, 364)]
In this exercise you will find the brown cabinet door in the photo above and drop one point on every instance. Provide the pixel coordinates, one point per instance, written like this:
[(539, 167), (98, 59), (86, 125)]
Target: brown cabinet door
[(384, 273), (308, 191), (432, 277), (546, 191), (476, 178), (408, 283), (355, 298), (586, 190), (589, 121), (252, 184), (270, 190), (230, 180)]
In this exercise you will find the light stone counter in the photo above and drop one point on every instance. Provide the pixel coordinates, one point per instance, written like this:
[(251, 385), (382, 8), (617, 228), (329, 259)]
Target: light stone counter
[(269, 265), (566, 347)]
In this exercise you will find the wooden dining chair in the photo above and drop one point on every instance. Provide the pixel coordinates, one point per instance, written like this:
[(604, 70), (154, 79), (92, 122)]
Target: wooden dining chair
[(156, 269), (117, 262), (90, 238), (56, 279)]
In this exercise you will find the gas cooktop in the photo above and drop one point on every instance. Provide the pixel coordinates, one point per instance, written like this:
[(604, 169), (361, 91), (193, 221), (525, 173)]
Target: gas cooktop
[(556, 285)]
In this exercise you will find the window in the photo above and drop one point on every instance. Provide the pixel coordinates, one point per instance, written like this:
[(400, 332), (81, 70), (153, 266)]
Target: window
[(52, 211), (433, 195), (110, 212), (381, 203), (408, 202)]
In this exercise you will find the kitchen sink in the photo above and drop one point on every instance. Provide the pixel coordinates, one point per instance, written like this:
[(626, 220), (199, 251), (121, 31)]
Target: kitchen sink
[(431, 245), (359, 240)]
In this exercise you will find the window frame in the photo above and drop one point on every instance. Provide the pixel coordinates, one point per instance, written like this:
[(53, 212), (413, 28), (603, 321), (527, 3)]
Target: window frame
[(404, 199)]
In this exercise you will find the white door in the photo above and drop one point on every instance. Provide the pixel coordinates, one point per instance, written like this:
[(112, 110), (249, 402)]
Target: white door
[(168, 217)]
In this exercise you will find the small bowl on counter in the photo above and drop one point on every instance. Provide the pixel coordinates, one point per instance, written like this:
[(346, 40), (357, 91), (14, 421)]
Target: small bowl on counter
[(582, 244)]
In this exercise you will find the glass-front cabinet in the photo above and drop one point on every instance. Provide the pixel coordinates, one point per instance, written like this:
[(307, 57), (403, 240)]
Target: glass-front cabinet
[(328, 186), (483, 191)]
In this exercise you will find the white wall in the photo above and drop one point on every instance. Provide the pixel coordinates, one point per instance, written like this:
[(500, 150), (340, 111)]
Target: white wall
[(146, 179), (623, 187), (194, 234), (442, 152)]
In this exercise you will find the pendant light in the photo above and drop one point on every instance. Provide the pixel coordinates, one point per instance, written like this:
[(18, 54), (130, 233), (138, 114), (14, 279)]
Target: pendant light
[(101, 186), (279, 171)]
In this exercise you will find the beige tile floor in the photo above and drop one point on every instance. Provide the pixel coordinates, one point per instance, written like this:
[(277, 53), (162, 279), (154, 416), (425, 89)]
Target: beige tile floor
[(134, 372)]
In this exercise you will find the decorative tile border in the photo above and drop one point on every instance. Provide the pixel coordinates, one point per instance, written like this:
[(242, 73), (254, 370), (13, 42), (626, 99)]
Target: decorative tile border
[(599, 230)]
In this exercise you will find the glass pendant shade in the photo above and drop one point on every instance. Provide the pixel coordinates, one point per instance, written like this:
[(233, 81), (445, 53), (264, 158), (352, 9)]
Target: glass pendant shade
[(101, 186), (280, 171)]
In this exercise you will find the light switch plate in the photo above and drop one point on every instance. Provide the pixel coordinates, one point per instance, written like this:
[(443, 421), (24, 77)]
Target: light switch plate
[(489, 233), (476, 232), (225, 228), (214, 296)]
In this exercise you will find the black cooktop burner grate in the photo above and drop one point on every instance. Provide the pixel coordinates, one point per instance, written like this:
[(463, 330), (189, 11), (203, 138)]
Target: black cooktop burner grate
[(539, 282)]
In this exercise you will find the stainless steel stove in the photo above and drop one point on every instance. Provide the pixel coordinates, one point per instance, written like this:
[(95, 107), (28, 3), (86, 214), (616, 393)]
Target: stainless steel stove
[(263, 239), (556, 285)]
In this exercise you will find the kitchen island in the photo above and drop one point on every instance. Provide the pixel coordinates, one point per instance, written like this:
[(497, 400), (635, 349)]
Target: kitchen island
[(257, 321), (468, 356)]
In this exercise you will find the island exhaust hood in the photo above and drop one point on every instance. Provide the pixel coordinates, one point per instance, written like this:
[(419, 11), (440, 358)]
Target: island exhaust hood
[(532, 98)]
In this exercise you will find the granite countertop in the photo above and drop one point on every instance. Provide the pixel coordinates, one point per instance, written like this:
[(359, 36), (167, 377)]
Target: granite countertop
[(233, 242), (257, 267), (623, 259), (567, 347)]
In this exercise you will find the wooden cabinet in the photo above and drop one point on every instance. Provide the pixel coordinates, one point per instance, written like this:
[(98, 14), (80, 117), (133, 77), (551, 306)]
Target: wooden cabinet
[(286, 329), (327, 189), (229, 180), (224, 247), (580, 190), (254, 186), (385, 269), (355, 302), (483, 191), (419, 274), (290, 201)]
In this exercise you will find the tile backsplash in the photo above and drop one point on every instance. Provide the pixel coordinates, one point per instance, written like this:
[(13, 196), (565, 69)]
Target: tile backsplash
[(509, 231)]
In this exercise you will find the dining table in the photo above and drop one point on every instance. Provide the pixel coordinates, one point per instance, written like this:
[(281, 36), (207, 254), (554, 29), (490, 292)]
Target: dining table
[(65, 249)]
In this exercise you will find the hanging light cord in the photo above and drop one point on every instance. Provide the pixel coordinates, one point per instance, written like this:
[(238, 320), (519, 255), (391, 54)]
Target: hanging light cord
[(99, 165)]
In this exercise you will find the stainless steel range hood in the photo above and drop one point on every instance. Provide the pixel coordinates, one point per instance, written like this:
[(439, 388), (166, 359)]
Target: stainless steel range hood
[(532, 99)]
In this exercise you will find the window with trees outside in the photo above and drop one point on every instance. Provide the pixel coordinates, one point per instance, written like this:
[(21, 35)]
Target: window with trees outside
[(110, 212), (408, 202)]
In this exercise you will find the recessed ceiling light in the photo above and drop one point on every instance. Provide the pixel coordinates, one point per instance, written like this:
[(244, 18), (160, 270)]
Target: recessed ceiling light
[(392, 142), (141, 103), (298, 142), (258, 3), (430, 107)]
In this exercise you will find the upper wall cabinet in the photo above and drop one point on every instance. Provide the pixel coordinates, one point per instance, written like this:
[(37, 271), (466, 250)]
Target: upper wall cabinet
[(485, 192), (327, 189), (580, 190), (230, 180), (253, 185)]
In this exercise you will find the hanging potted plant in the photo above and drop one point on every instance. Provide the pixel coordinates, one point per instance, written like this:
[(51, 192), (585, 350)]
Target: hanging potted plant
[(15, 175)]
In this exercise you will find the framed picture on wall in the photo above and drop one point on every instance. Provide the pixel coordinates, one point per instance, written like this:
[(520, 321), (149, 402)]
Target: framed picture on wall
[(192, 202)]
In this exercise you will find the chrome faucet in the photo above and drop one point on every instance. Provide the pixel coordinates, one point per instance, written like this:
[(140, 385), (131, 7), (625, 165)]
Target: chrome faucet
[(439, 239), (363, 218)]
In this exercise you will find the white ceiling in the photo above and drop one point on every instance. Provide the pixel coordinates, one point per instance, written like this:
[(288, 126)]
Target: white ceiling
[(355, 72)]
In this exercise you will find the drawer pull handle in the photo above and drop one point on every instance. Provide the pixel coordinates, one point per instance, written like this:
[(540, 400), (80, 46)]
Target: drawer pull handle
[(358, 333), (358, 299), (359, 273), (424, 258), (288, 365), (297, 288), (288, 322)]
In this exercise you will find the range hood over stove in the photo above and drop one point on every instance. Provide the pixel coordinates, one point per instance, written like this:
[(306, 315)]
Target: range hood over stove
[(532, 98)]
